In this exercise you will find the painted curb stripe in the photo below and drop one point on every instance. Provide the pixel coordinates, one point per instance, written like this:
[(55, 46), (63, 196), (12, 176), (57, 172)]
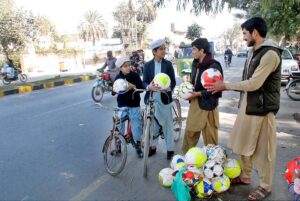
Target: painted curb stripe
[(59, 83), (77, 80), (38, 87), (48, 85), (10, 92), (24, 89), (85, 78), (68, 82)]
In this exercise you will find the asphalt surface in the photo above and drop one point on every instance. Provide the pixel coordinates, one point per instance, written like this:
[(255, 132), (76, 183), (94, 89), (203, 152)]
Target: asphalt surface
[(51, 140)]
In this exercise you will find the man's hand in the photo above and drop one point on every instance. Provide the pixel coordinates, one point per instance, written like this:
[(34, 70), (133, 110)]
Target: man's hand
[(131, 86), (215, 87), (193, 95)]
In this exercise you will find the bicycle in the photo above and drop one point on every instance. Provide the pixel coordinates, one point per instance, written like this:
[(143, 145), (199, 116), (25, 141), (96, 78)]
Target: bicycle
[(148, 118), (293, 86), (115, 144)]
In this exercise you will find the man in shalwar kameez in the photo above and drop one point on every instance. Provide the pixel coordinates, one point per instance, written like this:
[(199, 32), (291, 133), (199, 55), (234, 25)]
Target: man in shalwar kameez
[(254, 132)]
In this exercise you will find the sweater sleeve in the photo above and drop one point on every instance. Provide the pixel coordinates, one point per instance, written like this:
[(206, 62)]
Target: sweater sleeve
[(268, 64)]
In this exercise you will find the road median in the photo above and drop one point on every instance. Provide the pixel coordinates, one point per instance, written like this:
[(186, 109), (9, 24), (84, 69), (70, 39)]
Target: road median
[(43, 84)]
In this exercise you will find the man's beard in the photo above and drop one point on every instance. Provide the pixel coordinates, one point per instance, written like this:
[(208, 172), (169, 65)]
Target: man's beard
[(251, 43)]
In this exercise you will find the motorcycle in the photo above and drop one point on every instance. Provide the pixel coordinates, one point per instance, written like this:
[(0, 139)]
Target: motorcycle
[(102, 85), (227, 60), (13, 75), (293, 86)]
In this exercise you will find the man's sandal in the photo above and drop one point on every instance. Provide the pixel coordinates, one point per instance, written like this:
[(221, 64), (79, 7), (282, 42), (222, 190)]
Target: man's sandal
[(259, 193), (238, 181)]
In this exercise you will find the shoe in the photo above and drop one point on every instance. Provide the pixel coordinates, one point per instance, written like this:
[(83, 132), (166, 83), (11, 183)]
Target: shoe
[(152, 151), (138, 149), (170, 154)]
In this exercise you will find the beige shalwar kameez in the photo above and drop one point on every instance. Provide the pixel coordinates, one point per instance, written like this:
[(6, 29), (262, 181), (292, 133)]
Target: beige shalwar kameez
[(200, 121), (254, 137)]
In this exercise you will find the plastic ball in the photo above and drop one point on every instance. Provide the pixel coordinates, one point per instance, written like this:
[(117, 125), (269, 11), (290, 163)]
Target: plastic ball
[(217, 153), (221, 184), (176, 159), (178, 166), (212, 169), (185, 89), (120, 86), (195, 156), (162, 81), (290, 168), (210, 76), (165, 177), (232, 168), (197, 172), (188, 177), (204, 188)]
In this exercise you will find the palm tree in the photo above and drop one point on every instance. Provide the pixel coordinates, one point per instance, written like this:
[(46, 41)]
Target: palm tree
[(92, 27)]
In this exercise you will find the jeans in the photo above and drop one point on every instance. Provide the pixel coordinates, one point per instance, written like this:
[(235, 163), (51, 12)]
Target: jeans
[(135, 117)]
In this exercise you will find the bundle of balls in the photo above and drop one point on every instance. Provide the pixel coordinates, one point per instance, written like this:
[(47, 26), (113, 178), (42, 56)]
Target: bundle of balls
[(208, 170)]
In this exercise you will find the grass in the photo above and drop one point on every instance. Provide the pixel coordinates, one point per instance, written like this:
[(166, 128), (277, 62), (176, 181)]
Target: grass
[(15, 86)]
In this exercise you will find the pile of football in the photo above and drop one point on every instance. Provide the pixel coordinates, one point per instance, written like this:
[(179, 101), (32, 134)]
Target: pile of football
[(208, 170)]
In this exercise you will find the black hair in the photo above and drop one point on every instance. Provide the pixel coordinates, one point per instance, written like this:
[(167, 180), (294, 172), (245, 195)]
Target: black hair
[(256, 23), (202, 43)]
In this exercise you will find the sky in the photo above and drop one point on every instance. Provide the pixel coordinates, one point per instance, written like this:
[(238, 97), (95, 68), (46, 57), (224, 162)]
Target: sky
[(66, 15)]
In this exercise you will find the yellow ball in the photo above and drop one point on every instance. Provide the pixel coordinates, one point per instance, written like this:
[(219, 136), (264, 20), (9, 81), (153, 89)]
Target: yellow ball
[(204, 188), (196, 156), (221, 184), (232, 168), (162, 80), (165, 177)]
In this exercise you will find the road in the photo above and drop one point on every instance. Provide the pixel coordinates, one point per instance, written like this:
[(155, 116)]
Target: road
[(51, 144)]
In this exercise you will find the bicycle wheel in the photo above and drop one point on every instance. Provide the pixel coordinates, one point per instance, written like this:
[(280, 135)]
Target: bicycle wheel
[(115, 154), (177, 119), (23, 77), (146, 145), (97, 93), (294, 90)]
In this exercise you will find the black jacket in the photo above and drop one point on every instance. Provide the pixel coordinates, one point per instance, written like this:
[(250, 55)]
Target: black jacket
[(207, 100), (126, 100), (148, 76)]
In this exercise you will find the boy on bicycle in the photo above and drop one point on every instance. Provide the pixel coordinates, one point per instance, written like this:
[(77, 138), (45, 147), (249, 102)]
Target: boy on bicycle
[(130, 101)]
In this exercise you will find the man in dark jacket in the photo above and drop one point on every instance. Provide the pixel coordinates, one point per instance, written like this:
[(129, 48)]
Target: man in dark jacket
[(203, 114), (163, 102)]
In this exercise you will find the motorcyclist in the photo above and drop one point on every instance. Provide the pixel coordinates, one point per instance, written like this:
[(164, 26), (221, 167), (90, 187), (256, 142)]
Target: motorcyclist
[(10, 69), (228, 53), (111, 64)]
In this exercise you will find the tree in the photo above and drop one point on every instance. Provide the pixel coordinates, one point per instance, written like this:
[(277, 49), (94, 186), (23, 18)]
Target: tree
[(18, 27), (14, 30), (282, 18), (232, 33), (92, 27), (194, 31), (133, 19)]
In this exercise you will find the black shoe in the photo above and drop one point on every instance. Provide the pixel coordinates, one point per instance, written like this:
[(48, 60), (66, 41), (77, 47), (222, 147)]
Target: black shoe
[(113, 93), (152, 151), (138, 149), (170, 154)]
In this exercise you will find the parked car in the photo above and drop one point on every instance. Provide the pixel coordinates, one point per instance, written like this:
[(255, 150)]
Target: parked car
[(289, 64), (241, 54)]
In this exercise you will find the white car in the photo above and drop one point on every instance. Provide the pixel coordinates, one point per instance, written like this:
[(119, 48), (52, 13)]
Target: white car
[(288, 65)]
